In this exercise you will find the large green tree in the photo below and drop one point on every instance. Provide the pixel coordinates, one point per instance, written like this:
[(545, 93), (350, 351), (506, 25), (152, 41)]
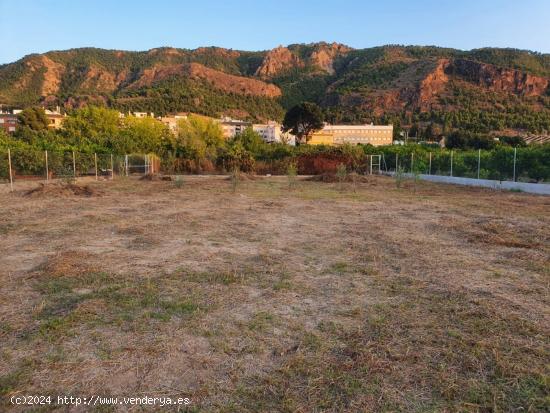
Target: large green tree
[(33, 118), (250, 140), (302, 120), (198, 138), (92, 125), (141, 135)]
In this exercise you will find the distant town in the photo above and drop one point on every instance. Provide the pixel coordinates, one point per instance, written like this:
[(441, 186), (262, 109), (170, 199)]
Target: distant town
[(271, 131)]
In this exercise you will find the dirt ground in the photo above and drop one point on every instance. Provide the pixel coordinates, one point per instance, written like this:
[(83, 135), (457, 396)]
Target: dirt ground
[(256, 297)]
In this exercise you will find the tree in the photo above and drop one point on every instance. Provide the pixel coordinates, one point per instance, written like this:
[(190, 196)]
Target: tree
[(92, 125), (513, 141), (198, 138), (433, 131), (250, 140), (33, 118), (302, 120), (141, 135)]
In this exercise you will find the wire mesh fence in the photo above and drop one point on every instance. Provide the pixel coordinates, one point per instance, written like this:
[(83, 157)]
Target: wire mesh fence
[(501, 165), (25, 165), (523, 165)]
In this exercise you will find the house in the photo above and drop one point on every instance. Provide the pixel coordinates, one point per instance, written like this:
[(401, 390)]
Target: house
[(55, 118), (376, 135)]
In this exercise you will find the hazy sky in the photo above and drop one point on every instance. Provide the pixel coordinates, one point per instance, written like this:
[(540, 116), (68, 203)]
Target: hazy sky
[(28, 26)]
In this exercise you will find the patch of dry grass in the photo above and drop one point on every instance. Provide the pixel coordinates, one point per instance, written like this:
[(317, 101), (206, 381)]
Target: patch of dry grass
[(320, 298)]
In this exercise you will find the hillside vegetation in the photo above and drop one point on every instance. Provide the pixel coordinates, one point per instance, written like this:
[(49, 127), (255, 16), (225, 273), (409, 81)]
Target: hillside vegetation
[(481, 90)]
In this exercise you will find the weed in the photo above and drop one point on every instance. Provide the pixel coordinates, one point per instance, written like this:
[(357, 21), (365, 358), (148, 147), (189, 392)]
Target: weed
[(342, 174), (260, 321), (339, 267), (291, 172), (235, 179), (224, 278), (178, 182), (399, 176)]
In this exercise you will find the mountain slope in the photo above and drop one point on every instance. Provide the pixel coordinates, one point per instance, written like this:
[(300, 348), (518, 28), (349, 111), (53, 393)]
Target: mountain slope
[(483, 90)]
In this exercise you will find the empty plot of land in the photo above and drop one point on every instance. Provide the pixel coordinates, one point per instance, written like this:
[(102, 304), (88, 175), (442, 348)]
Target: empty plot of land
[(257, 297)]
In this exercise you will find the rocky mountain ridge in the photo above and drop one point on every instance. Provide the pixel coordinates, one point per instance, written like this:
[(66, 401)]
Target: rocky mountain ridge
[(356, 84)]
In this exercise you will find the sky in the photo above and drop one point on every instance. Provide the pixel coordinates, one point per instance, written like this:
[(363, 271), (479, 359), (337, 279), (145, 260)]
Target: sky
[(37, 26)]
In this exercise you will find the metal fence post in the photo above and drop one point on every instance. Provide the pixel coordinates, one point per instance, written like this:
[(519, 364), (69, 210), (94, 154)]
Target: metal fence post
[(396, 161), (430, 167), (74, 166), (9, 166), (370, 170), (47, 171), (112, 168), (451, 163), (412, 162), (515, 155), (126, 164), (478, 162), (95, 162)]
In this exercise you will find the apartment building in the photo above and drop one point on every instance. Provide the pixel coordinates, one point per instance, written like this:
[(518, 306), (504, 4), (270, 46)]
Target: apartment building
[(172, 121), (376, 135), (232, 127), (272, 132), (8, 122)]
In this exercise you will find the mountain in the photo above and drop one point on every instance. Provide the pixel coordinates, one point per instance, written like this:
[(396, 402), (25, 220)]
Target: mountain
[(480, 90)]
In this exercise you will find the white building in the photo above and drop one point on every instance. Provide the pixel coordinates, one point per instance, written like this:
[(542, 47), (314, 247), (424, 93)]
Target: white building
[(143, 114), (272, 132)]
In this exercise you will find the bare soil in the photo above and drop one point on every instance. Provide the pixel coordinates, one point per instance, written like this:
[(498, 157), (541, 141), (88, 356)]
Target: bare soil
[(61, 189), (332, 178), (155, 177), (267, 297)]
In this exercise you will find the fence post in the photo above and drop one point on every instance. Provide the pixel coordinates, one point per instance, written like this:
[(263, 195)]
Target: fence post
[(47, 171), (478, 162), (430, 167), (396, 161), (95, 163), (74, 166), (451, 163), (370, 169), (112, 168), (126, 164), (9, 166), (515, 154), (412, 162)]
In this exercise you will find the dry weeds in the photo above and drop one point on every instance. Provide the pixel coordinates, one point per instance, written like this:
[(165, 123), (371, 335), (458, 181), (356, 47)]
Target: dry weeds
[(316, 299)]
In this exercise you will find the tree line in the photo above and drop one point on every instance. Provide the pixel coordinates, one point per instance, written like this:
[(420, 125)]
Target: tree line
[(198, 145)]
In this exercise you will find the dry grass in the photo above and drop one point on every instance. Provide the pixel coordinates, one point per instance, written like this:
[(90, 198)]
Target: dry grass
[(322, 298)]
